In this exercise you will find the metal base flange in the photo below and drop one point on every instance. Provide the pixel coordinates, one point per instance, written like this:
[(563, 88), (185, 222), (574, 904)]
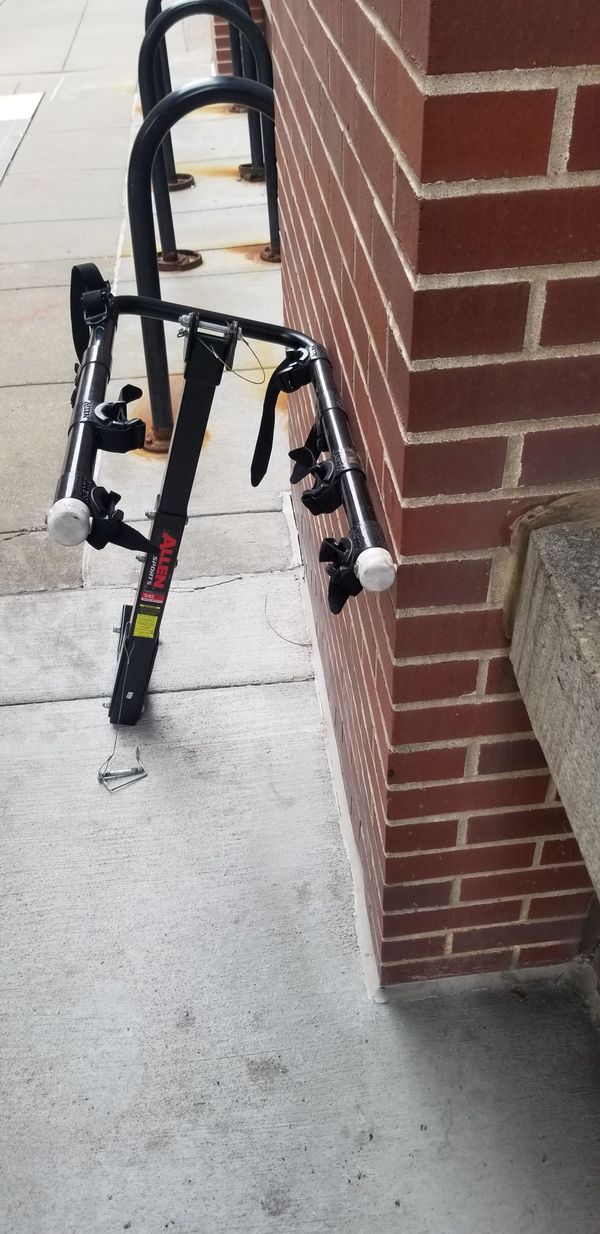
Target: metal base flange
[(181, 260), (254, 173), (158, 440), (183, 180), (271, 253)]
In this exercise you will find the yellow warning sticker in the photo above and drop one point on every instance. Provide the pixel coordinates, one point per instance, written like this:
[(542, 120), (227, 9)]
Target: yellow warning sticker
[(145, 625)]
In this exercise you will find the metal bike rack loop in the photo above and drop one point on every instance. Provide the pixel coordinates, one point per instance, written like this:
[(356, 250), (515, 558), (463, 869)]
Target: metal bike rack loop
[(177, 180), (172, 259), (139, 197), (242, 67)]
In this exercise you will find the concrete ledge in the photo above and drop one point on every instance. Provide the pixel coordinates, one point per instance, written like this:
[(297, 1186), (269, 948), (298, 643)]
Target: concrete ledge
[(556, 657)]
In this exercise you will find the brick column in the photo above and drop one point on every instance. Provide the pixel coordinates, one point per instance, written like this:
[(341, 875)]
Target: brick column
[(440, 190), (222, 52)]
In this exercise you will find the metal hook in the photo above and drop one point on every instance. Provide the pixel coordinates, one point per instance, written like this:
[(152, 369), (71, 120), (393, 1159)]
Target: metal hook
[(127, 775)]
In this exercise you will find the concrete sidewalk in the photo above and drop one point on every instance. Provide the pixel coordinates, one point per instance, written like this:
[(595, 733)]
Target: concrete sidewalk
[(187, 1039)]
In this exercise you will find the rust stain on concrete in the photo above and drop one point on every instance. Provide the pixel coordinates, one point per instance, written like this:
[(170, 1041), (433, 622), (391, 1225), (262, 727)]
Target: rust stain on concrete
[(215, 109), (283, 410), (227, 171), (251, 251)]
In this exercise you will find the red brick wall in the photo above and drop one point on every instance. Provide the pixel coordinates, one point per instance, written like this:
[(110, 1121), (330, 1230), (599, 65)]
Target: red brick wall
[(221, 37), (441, 233)]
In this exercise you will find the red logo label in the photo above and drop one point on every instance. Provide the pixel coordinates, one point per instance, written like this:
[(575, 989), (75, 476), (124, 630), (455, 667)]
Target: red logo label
[(152, 597), (165, 556)]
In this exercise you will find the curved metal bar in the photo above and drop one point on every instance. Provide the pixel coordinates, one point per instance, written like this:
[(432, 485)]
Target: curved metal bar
[(163, 86), (256, 68), (139, 197), (241, 68), (227, 9), (153, 40), (167, 310)]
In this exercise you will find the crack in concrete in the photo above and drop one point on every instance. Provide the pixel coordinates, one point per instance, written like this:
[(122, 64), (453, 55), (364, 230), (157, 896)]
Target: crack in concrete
[(237, 578), (225, 685), (23, 531)]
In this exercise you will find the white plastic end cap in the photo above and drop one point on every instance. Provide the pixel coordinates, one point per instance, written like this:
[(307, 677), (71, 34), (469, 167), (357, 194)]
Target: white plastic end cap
[(375, 569), (69, 521)]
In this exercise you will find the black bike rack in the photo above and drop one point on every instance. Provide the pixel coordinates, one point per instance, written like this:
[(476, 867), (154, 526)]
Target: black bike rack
[(139, 195), (84, 510), (149, 70), (242, 67), (254, 171), (177, 180)]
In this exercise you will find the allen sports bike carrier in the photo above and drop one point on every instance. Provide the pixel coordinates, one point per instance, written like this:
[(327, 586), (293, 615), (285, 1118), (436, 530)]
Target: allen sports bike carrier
[(83, 510)]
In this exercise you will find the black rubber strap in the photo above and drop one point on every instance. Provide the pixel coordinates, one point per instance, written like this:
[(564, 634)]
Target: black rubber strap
[(86, 277), (266, 432)]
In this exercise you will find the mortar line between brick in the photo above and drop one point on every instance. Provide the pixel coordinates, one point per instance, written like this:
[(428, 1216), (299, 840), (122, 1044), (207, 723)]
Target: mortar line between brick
[(513, 462), (515, 429), (506, 274), (447, 363), (451, 188), (535, 316), (455, 892), (441, 656), (410, 275), (552, 793), (504, 777), (562, 129), (482, 674), (408, 171), (461, 832), (417, 559), (493, 846), (501, 80), (329, 270), (465, 700), (498, 494), (444, 363), (477, 954), (500, 568), (346, 321), (450, 743), (537, 895), (440, 930), (533, 353), (537, 856), (439, 610), (471, 763)]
